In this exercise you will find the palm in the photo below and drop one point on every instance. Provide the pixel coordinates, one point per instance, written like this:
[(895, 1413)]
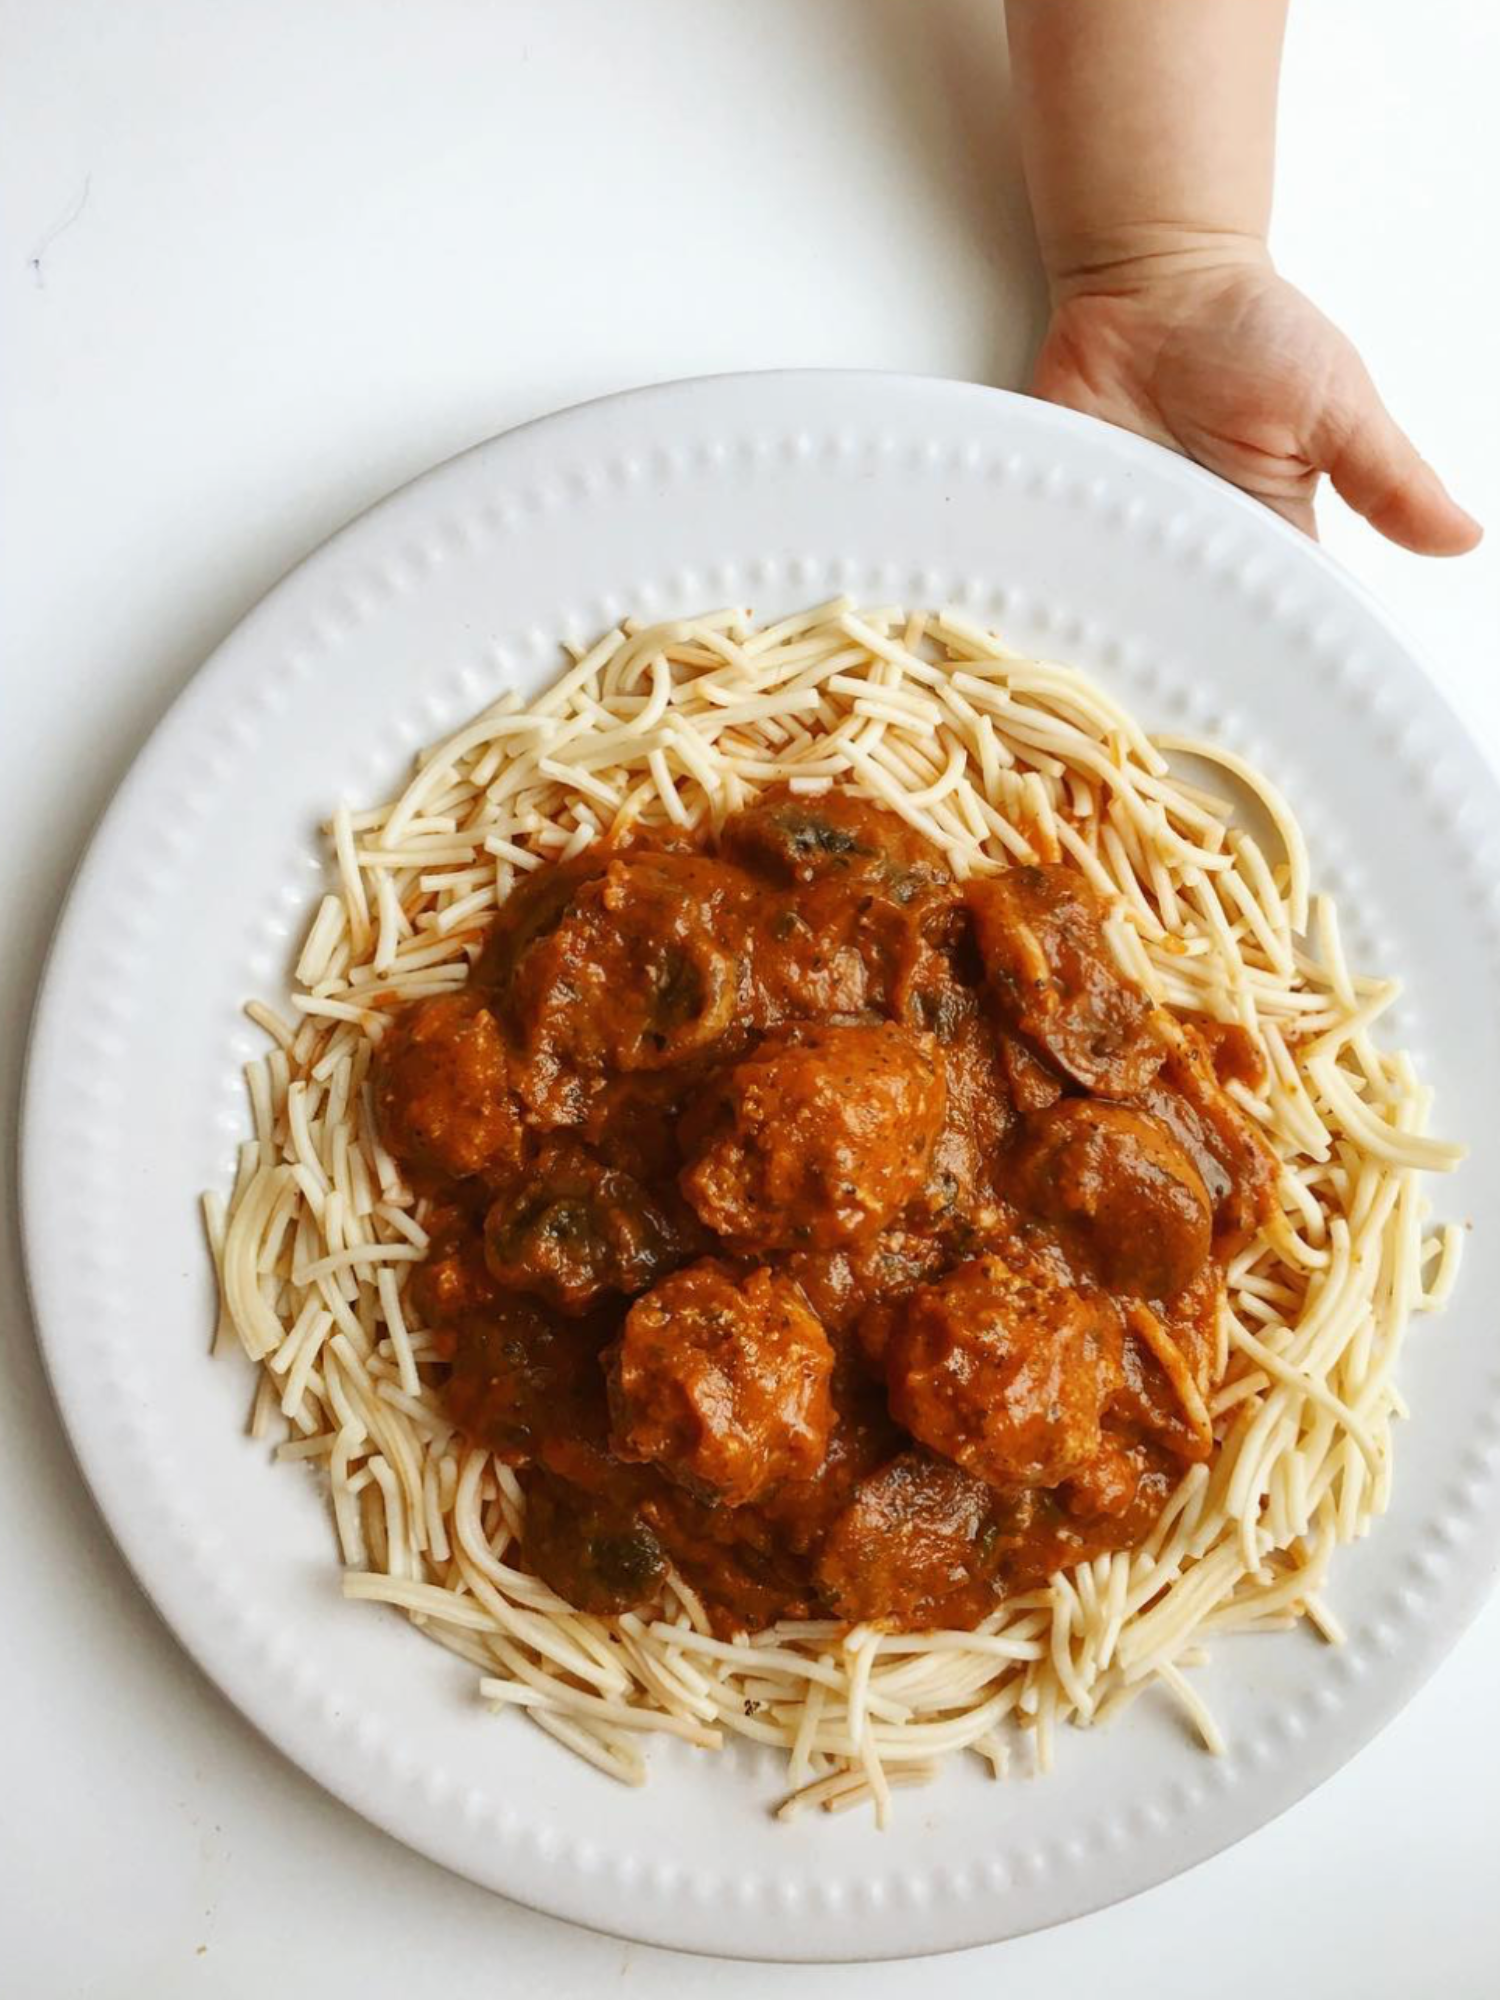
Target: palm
[(1239, 371)]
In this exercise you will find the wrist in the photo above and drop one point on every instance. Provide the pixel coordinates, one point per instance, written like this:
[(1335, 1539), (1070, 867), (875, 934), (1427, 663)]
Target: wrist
[(1131, 257)]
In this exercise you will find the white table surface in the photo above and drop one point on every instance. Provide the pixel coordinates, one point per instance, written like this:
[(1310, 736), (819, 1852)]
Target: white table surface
[(262, 263)]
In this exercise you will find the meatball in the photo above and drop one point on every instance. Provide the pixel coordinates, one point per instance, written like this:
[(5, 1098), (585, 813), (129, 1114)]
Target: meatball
[(795, 840), (916, 1545), (753, 1565), (442, 1089), (571, 1230), (597, 1553), (639, 972), (1122, 1190), (1005, 1369), (722, 1381), (1040, 935), (818, 1139), (521, 1375)]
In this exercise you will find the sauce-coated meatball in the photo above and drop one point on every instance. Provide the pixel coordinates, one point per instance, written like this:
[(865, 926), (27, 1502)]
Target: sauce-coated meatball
[(1005, 1369), (818, 1139), (721, 1379), (442, 1089), (916, 1541)]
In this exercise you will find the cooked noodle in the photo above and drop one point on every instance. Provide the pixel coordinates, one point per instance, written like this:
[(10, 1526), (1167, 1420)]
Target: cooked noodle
[(994, 758)]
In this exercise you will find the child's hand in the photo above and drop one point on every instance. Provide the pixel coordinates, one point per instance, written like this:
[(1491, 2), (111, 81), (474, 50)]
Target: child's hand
[(1234, 367), (1148, 134)]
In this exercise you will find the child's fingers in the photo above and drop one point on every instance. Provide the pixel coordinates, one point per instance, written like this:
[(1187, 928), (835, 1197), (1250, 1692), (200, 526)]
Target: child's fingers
[(1375, 467)]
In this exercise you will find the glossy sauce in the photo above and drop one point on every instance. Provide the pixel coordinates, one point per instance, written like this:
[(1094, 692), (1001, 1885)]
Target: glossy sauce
[(818, 1225)]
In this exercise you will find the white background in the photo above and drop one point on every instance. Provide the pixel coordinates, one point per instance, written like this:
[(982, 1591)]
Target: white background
[(259, 264)]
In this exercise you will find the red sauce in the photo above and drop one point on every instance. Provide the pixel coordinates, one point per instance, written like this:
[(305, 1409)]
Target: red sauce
[(793, 1208)]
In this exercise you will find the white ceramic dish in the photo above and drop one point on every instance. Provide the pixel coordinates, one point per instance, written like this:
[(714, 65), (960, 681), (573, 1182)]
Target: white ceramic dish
[(776, 490)]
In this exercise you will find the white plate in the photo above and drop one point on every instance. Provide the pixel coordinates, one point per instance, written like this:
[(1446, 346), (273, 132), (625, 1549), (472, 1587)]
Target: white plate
[(778, 490)]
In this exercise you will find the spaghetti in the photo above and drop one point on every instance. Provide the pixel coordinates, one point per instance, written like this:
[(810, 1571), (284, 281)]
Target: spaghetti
[(994, 758)]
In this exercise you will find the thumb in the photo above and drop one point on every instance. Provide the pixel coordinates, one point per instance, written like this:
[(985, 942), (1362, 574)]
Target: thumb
[(1375, 467)]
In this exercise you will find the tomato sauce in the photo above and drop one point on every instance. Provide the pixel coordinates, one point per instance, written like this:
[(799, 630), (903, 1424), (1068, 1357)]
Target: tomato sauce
[(818, 1225)]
